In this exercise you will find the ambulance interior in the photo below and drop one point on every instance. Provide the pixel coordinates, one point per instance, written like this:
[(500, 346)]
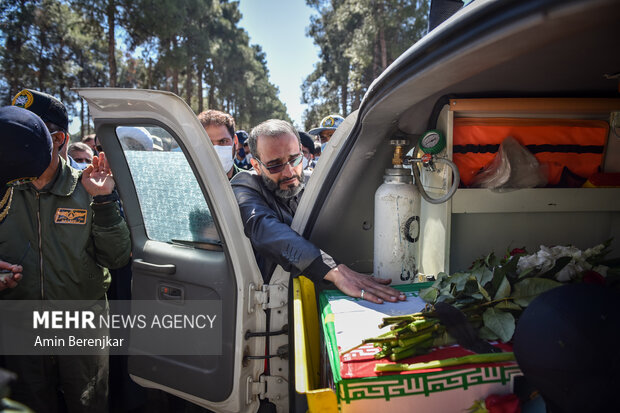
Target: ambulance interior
[(558, 65)]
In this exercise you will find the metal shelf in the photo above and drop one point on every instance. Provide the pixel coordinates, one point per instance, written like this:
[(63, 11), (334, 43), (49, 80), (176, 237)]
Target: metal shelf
[(472, 201)]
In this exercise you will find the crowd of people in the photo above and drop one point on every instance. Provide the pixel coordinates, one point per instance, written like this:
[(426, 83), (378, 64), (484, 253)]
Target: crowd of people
[(59, 199)]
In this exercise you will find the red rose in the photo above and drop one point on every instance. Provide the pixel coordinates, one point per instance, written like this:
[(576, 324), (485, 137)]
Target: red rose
[(517, 251), (592, 277), (504, 403)]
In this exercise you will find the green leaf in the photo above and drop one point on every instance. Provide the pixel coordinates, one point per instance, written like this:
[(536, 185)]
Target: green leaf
[(509, 269), (459, 280), (486, 334), (483, 275), (484, 292), (477, 296), (530, 288), (441, 281), (491, 260), (444, 297), (526, 272), (507, 305), (500, 323), (503, 290), (429, 294), (471, 288)]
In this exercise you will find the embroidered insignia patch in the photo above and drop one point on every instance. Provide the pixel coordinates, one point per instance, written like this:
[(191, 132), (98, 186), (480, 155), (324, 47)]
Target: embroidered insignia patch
[(21, 181), (23, 99), (70, 216)]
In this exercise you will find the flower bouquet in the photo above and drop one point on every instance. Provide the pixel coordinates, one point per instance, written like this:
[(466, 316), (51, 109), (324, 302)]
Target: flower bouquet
[(483, 304)]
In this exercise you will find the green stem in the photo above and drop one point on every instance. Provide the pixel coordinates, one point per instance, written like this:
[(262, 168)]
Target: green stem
[(454, 361), (398, 353), (408, 342)]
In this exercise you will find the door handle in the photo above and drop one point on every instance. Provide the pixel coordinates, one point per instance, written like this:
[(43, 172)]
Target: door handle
[(167, 269), (167, 292)]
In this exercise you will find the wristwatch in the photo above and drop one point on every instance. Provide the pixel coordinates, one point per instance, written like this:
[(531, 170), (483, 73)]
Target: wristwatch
[(103, 199)]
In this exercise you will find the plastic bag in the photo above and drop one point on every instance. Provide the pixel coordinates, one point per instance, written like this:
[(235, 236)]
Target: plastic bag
[(513, 167)]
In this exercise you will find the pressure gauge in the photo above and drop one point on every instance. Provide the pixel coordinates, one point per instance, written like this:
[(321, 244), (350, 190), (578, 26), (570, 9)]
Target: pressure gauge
[(432, 142)]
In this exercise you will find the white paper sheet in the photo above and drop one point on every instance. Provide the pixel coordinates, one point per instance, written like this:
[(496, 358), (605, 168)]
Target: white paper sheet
[(356, 319)]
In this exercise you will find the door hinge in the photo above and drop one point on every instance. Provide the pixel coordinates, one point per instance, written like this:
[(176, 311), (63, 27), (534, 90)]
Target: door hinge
[(269, 296), (268, 387)]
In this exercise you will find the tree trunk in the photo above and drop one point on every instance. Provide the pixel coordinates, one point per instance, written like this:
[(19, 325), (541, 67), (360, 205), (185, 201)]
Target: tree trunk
[(188, 83), (111, 11), (175, 81), (344, 95), (199, 84), (383, 48), (375, 58), (357, 99), (82, 125), (43, 63), (88, 118), (211, 101), (175, 69), (149, 77)]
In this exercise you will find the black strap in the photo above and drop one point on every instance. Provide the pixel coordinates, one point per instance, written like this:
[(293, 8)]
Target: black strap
[(493, 148)]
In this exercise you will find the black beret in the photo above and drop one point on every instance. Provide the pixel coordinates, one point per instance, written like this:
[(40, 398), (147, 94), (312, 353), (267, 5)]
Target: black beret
[(46, 106), (25, 146), (307, 141), (242, 136)]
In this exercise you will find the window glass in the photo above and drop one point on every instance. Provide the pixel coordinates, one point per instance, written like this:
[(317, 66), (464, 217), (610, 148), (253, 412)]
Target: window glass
[(172, 203)]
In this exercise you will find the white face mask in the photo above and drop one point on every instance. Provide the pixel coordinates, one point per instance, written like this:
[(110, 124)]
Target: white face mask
[(225, 155), (304, 162), (81, 165), (248, 156)]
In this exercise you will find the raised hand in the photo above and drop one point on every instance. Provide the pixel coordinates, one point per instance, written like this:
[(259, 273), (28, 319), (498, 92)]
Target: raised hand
[(97, 178)]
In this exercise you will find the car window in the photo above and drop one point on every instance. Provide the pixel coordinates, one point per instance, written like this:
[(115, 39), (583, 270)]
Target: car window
[(172, 203)]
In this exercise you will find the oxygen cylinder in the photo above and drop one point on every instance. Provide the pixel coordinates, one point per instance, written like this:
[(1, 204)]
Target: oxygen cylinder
[(397, 227)]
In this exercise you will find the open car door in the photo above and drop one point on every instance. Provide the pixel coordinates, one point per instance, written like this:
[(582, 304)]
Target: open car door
[(187, 242)]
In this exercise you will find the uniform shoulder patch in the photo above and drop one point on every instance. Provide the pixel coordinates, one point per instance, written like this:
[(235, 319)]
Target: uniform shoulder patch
[(70, 216)]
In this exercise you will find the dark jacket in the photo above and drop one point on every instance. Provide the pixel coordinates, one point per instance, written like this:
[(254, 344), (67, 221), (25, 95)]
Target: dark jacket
[(267, 223), (71, 241)]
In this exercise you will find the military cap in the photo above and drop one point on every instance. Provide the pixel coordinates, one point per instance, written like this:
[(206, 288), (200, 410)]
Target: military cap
[(46, 106)]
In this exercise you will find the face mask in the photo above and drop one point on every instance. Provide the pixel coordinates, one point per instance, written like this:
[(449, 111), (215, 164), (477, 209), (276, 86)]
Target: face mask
[(323, 146), (248, 157), (225, 155), (304, 162), (241, 153), (82, 165)]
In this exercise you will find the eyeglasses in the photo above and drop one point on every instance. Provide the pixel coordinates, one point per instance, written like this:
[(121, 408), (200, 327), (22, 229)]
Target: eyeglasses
[(274, 169)]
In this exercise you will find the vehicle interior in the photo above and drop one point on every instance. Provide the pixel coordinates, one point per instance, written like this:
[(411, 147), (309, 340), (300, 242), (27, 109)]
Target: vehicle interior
[(546, 60)]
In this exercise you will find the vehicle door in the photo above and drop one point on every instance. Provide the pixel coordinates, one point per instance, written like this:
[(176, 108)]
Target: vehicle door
[(187, 242)]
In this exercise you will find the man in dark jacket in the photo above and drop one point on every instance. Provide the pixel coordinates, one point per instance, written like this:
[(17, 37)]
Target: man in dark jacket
[(66, 229), (268, 198)]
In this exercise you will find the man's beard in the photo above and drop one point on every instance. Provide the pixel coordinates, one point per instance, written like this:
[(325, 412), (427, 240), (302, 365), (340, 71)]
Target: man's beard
[(284, 193)]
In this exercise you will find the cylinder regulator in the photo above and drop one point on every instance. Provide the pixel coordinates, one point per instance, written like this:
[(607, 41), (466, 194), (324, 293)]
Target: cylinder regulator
[(398, 206)]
